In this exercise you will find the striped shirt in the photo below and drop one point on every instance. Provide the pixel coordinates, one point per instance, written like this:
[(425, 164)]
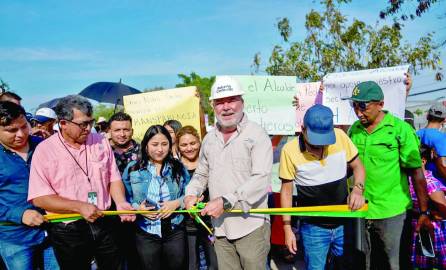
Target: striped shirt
[(318, 181)]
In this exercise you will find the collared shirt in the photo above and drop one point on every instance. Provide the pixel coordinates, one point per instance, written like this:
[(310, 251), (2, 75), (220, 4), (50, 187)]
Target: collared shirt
[(14, 179), (386, 152), (240, 171), (145, 184), (319, 181), (123, 159), (54, 171)]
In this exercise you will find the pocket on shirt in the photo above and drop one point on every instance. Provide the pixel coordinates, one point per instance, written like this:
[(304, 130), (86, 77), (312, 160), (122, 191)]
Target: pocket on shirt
[(101, 163), (385, 150), (140, 185), (241, 164)]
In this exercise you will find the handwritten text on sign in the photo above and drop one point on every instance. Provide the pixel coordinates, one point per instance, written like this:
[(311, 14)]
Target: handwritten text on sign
[(268, 102), (154, 108), (340, 85), (307, 94)]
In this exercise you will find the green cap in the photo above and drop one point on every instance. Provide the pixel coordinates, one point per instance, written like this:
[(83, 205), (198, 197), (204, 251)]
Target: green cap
[(367, 91)]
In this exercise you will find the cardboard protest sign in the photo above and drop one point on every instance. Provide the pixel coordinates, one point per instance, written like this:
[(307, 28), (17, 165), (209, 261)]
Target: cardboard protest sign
[(306, 93), (268, 101), (156, 107), (340, 85)]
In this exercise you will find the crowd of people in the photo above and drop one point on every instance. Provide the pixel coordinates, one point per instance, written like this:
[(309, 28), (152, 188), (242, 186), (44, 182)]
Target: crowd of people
[(52, 162)]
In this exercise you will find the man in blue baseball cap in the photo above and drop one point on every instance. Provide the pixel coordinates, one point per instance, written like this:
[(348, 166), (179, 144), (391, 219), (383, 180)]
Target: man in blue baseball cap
[(316, 162)]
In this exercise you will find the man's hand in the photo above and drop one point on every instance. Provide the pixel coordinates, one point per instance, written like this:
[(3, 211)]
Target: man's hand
[(214, 208), (32, 218), (355, 199), (90, 212), (425, 223), (290, 240), (408, 82), (143, 206), (190, 201), (127, 217), (168, 207)]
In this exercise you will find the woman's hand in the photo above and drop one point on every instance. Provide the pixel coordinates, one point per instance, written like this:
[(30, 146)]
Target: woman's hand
[(167, 208), (143, 206)]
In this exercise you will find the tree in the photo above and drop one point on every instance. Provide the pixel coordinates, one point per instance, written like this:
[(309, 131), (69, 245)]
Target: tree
[(203, 85), (403, 10), (334, 45), (105, 111), (3, 86), (395, 7), (418, 112)]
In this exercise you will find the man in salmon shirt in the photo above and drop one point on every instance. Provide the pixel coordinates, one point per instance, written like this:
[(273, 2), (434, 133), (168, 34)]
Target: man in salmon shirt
[(74, 171)]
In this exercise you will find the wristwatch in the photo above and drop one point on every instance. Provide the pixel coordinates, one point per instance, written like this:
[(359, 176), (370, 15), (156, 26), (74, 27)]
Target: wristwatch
[(426, 213), (226, 204)]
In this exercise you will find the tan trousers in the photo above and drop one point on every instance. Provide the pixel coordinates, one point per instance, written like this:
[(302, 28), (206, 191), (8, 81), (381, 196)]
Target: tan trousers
[(248, 253)]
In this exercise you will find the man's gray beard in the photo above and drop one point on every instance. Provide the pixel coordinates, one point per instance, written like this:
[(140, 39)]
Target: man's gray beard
[(237, 121)]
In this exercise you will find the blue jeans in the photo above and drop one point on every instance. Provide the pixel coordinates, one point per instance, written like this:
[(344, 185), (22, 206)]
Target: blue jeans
[(21, 257), (317, 241)]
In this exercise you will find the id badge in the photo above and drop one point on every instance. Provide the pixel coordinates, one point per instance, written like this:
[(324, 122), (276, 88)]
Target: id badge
[(92, 198)]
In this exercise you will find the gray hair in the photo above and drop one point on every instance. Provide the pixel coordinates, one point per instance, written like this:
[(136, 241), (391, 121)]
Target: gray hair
[(65, 106)]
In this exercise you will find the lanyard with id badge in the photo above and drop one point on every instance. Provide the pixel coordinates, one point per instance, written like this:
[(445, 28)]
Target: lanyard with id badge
[(92, 196)]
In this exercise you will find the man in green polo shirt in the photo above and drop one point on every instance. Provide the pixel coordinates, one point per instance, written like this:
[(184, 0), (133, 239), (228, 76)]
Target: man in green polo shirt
[(389, 149)]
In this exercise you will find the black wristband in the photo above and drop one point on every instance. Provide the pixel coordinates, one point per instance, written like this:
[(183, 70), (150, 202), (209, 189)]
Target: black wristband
[(426, 213)]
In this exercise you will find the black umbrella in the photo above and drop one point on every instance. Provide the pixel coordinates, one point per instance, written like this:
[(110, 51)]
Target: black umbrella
[(108, 92), (49, 104)]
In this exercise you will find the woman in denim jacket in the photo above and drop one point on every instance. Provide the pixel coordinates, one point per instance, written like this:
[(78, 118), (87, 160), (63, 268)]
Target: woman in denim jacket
[(158, 181)]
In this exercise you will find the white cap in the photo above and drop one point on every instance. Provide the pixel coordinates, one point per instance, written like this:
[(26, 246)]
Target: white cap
[(44, 114), (101, 119), (225, 86)]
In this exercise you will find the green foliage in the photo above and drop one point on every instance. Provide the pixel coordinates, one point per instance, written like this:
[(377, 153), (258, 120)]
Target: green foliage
[(418, 112), (332, 44), (105, 111), (3, 86), (203, 85)]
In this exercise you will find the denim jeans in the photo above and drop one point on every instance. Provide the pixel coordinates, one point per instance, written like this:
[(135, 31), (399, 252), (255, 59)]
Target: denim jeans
[(20, 257), (76, 243), (318, 241)]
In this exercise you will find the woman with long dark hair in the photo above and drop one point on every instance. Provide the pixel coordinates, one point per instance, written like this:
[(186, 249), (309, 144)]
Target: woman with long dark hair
[(158, 181), (188, 143), (173, 126)]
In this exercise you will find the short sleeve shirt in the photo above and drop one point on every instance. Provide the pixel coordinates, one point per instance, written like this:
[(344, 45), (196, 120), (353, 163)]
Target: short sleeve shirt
[(318, 182), (54, 171), (392, 147), (433, 138)]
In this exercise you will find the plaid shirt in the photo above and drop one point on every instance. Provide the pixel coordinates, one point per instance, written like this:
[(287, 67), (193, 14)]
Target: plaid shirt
[(439, 240), (123, 159)]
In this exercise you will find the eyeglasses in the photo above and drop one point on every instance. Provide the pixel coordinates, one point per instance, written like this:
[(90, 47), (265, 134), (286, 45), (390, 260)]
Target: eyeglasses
[(361, 105), (82, 125)]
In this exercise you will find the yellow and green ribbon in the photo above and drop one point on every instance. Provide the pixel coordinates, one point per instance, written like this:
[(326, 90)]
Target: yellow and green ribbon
[(338, 211)]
